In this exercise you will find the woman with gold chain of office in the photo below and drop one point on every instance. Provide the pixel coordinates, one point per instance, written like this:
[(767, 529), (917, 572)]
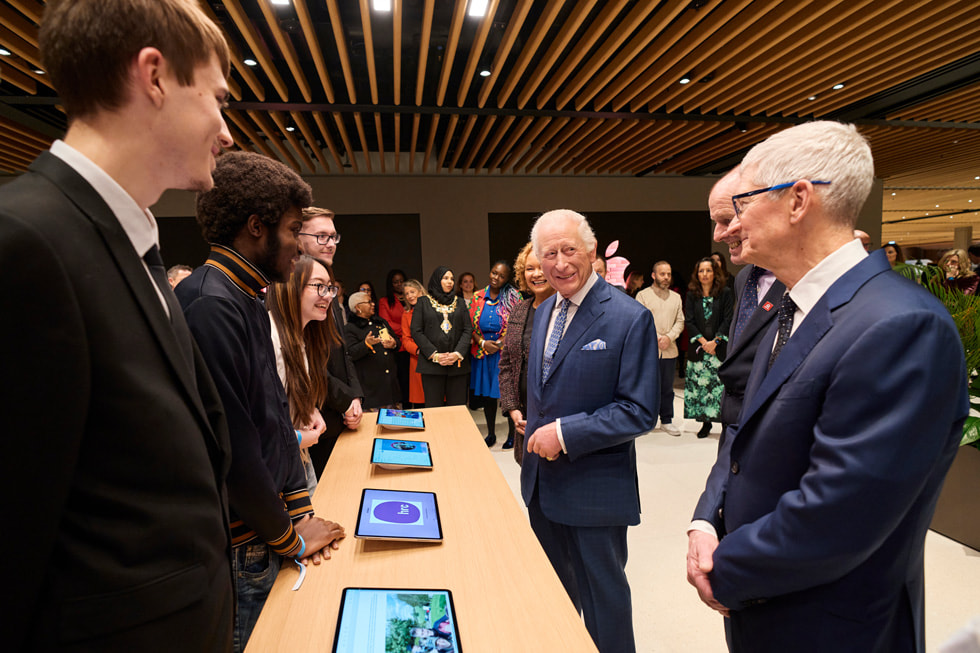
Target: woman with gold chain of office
[(441, 327)]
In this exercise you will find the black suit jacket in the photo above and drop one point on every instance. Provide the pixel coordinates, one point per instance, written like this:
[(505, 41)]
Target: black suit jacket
[(115, 443), (734, 372)]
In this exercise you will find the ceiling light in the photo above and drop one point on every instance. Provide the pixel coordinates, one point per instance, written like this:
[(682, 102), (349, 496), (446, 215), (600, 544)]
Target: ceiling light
[(484, 73), (281, 3), (4, 52), (38, 71), (837, 87), (478, 8), (812, 98), (937, 206), (893, 194), (686, 79), (251, 62), (382, 5), (290, 128)]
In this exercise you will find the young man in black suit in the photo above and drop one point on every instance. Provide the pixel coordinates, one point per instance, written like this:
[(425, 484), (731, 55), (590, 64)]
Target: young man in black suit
[(115, 442)]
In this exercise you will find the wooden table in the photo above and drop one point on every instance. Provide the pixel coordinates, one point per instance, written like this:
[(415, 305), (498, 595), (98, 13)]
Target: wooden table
[(506, 593)]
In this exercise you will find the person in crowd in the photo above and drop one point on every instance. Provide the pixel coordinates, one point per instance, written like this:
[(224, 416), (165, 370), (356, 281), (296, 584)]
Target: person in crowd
[(177, 273), (668, 316), (708, 314), (372, 344), (634, 282), (957, 272), (413, 291), (757, 294), (391, 307), (115, 443), (896, 258), (823, 493), (302, 335), (490, 311), (590, 394), (251, 218), (973, 252), (517, 342), (599, 265), (441, 327), (368, 287), (466, 288), (727, 279), (342, 408)]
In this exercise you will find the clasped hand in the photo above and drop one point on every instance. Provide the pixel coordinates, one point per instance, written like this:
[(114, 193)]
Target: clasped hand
[(700, 551), (320, 536)]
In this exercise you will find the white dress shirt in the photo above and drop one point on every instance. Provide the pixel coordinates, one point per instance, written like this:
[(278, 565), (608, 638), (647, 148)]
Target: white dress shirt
[(139, 224), (573, 303)]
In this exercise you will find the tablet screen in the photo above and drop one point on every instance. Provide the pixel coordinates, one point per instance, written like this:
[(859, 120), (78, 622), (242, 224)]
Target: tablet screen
[(398, 620), (406, 419), (395, 514), (401, 453)]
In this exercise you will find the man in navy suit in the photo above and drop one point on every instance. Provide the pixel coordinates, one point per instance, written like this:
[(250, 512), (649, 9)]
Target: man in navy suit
[(592, 389), (757, 294), (823, 492)]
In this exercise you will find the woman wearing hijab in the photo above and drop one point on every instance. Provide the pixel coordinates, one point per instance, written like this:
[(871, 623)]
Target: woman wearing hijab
[(441, 328)]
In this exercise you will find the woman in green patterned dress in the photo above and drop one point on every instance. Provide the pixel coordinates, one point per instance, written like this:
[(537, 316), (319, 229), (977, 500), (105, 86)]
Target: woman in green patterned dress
[(708, 311)]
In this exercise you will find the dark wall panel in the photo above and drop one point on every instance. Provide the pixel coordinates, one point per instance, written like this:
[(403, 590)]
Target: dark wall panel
[(370, 246), (679, 237)]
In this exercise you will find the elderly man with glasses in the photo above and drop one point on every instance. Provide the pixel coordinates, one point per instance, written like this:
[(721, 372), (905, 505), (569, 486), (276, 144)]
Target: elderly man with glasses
[(823, 491)]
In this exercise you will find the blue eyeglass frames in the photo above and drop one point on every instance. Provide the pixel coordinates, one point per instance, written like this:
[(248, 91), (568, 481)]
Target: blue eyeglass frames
[(736, 199)]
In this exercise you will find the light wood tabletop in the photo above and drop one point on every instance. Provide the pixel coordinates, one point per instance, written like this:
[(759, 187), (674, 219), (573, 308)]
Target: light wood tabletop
[(506, 594)]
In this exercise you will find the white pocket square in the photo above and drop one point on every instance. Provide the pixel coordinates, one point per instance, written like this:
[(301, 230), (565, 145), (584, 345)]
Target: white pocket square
[(595, 345)]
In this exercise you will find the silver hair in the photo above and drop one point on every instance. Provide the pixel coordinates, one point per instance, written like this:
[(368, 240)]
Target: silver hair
[(821, 150), (356, 299), (585, 233)]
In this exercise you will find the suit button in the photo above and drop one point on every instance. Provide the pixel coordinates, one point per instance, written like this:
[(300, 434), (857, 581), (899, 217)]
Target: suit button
[(734, 467), (721, 513), (540, 414)]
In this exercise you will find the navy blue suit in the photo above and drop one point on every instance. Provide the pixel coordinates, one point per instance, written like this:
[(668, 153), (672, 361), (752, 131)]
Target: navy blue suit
[(581, 503), (827, 486)]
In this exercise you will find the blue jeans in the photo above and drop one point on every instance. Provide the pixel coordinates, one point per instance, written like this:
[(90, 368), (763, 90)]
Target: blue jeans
[(255, 567), (667, 366)]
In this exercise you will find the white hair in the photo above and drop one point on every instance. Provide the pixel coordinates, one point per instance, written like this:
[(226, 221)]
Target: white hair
[(585, 233), (356, 299), (822, 150)]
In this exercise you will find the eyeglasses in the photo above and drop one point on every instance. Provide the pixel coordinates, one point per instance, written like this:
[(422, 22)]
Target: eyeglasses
[(324, 239), (737, 199), (359, 303), (324, 290)]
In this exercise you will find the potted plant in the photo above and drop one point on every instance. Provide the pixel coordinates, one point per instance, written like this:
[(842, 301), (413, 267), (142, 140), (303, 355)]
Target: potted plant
[(955, 515)]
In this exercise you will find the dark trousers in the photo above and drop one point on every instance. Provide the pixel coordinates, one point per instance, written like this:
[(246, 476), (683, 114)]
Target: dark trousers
[(591, 563), (667, 367), (445, 390)]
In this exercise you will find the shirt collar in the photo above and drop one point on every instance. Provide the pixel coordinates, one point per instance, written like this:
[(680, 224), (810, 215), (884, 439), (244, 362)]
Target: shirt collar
[(579, 296), (809, 289), (243, 274), (139, 224)]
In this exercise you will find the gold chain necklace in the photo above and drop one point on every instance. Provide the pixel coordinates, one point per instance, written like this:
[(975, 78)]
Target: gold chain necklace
[(446, 311)]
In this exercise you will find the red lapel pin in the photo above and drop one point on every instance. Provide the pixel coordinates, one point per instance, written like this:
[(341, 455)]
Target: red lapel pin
[(767, 306)]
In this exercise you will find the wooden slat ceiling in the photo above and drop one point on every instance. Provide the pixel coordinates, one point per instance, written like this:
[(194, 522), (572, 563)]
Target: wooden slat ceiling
[(579, 87)]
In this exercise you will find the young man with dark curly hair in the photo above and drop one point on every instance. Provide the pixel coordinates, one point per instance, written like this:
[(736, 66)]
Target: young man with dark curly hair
[(251, 219), (115, 446)]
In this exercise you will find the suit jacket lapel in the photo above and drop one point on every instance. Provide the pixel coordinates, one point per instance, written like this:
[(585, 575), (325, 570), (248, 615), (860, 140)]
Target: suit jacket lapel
[(762, 384), (585, 315), (130, 265), (759, 318)]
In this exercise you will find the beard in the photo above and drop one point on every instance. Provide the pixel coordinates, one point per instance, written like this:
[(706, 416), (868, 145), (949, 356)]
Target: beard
[(268, 261)]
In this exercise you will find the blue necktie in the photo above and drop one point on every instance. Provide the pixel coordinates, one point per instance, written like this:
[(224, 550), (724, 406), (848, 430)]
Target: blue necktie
[(748, 302), (787, 311), (554, 340)]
